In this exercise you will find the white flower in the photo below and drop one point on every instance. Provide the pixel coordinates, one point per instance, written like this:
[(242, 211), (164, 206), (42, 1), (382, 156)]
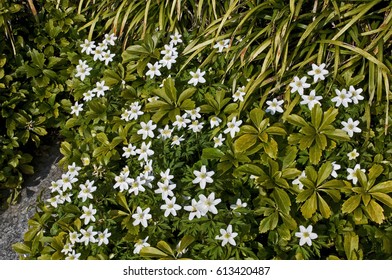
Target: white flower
[(203, 177), (153, 70), (353, 154), (137, 185), (77, 108), (233, 127), (87, 46), (166, 176), (170, 207), (194, 113), (109, 39), (103, 237), (97, 52), (298, 182), (227, 236), (206, 205), (311, 99), (170, 50), (335, 167), (181, 121), (165, 189), (176, 140), (193, 210), (167, 61), (86, 190), (88, 236), (100, 88), (195, 126), (147, 129), (88, 214), (65, 197), (126, 115), (350, 127), (165, 133), (299, 85), (318, 72), (141, 243), (67, 180), (175, 38), (342, 98), (218, 141), (352, 173), (74, 237), (135, 111), (306, 235), (144, 152), (355, 94), (197, 77), (67, 248), (55, 186), (274, 106), (122, 181), (215, 121), (54, 201), (82, 70), (239, 94), (223, 44), (88, 96), (73, 169), (129, 151), (73, 256), (238, 205), (141, 217), (107, 57)]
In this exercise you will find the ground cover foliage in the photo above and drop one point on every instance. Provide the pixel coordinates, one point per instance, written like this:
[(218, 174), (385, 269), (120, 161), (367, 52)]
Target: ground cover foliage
[(220, 129)]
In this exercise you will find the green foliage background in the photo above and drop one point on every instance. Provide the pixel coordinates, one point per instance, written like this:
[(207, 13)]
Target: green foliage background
[(271, 42)]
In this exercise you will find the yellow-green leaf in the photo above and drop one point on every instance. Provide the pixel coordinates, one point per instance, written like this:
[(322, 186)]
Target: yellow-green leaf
[(375, 211), (351, 204), (309, 207)]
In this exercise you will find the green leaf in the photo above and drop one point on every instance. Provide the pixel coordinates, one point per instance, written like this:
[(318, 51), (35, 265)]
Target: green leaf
[(351, 242), (212, 153), (162, 245), (310, 206), (375, 211), (384, 187), (269, 223), (170, 89), (282, 200), (151, 252), (251, 169), (324, 207), (122, 201), (315, 154), (256, 116), (101, 137), (185, 242), (384, 198), (21, 248), (288, 221), (38, 58), (337, 134), (351, 204), (245, 142), (186, 94), (296, 120), (324, 172)]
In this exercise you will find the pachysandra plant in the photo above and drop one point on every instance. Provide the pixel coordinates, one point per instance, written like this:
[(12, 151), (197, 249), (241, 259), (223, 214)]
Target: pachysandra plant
[(170, 163)]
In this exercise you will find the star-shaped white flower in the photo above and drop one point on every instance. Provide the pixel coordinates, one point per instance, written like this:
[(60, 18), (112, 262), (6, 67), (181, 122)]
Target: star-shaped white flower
[(175, 38), (87, 46), (218, 141), (122, 181), (181, 121), (129, 150), (107, 57), (311, 99), (103, 237), (88, 214), (110, 39), (82, 70), (342, 98), (299, 85), (141, 216), (203, 177), (298, 182), (355, 94), (147, 129), (144, 152), (353, 154), (318, 72), (76, 108), (100, 88), (140, 244), (165, 189), (215, 121), (306, 235), (352, 173), (170, 207), (222, 44), (227, 236), (197, 77), (239, 204), (335, 167), (239, 94), (153, 70), (193, 210), (351, 126), (274, 106), (88, 236), (233, 127), (207, 204)]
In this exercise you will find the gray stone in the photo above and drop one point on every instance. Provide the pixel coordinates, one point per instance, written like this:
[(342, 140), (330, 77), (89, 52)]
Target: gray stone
[(13, 221)]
